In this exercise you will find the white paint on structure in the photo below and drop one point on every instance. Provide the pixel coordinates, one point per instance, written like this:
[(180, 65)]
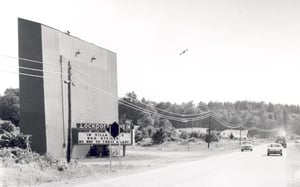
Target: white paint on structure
[(94, 87), (195, 129), (236, 133)]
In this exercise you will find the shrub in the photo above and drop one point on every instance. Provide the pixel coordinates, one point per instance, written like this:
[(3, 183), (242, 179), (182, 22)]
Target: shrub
[(192, 139), (231, 136), (194, 135), (138, 135), (7, 126), (150, 131), (197, 134), (184, 135), (18, 141), (159, 136), (146, 142), (211, 138)]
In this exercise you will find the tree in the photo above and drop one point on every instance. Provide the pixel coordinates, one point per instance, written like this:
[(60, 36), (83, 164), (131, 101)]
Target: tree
[(146, 121), (271, 108), (10, 106), (285, 118), (167, 126), (203, 107), (132, 97)]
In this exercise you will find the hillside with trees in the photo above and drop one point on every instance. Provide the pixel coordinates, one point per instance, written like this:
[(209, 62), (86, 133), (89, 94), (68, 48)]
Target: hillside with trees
[(260, 115)]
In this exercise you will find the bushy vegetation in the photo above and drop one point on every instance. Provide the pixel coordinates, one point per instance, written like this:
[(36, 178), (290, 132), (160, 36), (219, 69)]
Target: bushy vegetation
[(211, 138), (10, 105), (159, 136), (10, 137)]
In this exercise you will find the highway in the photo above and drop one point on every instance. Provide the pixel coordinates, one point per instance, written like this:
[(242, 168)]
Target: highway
[(247, 169)]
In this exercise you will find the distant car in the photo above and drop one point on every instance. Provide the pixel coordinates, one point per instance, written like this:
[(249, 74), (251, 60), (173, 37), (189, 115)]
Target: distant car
[(274, 148), (246, 145), (297, 141), (281, 140)]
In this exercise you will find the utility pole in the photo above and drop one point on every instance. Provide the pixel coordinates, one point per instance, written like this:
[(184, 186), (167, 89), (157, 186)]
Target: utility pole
[(240, 136), (69, 145), (110, 151), (119, 147), (209, 124)]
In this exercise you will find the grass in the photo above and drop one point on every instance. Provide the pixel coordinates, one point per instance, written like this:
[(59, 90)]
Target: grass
[(45, 169)]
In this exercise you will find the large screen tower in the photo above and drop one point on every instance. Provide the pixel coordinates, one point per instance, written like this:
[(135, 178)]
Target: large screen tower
[(44, 54)]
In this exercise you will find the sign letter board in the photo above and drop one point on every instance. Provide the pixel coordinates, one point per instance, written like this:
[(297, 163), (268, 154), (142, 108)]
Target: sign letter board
[(98, 134)]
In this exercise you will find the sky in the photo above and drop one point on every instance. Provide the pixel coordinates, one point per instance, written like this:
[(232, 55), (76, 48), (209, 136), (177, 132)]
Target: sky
[(237, 49)]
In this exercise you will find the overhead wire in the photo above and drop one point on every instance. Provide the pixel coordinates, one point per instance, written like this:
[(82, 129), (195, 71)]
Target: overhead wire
[(31, 75), (124, 102), (30, 60), (220, 120), (144, 110), (139, 107), (91, 79), (174, 113), (164, 116), (225, 125)]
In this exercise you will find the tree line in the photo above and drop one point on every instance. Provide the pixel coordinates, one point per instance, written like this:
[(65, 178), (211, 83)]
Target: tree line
[(249, 114)]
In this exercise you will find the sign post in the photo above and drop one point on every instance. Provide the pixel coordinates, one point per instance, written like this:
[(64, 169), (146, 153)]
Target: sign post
[(110, 147), (119, 140)]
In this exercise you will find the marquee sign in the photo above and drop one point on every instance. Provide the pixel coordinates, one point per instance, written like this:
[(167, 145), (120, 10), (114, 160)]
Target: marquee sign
[(101, 134)]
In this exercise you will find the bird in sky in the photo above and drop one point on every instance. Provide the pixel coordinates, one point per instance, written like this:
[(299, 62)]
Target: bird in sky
[(184, 51)]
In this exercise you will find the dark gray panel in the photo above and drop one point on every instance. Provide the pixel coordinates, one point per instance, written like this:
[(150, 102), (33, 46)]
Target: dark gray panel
[(32, 112)]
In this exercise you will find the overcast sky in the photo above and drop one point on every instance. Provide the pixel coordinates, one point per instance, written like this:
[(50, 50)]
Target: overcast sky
[(237, 49)]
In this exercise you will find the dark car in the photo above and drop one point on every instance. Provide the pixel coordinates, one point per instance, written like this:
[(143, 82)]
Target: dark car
[(281, 140)]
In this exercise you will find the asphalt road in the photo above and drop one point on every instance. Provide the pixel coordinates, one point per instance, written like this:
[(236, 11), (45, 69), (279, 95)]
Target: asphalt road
[(253, 169)]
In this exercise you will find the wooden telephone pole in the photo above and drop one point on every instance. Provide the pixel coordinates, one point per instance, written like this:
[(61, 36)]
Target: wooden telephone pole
[(69, 143), (209, 125)]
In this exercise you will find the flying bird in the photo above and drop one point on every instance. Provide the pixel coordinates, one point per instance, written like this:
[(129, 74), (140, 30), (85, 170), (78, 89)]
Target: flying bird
[(184, 51)]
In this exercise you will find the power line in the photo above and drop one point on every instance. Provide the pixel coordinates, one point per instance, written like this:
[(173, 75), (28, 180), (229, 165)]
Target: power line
[(178, 114), (30, 75), (30, 60), (82, 74), (183, 115), (223, 124), (164, 116), (131, 105), (122, 100), (144, 110)]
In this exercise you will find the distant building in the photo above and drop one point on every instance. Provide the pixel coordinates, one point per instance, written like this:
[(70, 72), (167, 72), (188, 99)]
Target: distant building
[(235, 132), (189, 130)]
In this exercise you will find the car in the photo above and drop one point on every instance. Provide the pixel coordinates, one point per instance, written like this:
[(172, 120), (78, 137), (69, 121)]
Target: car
[(297, 141), (246, 145), (281, 140), (275, 148)]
